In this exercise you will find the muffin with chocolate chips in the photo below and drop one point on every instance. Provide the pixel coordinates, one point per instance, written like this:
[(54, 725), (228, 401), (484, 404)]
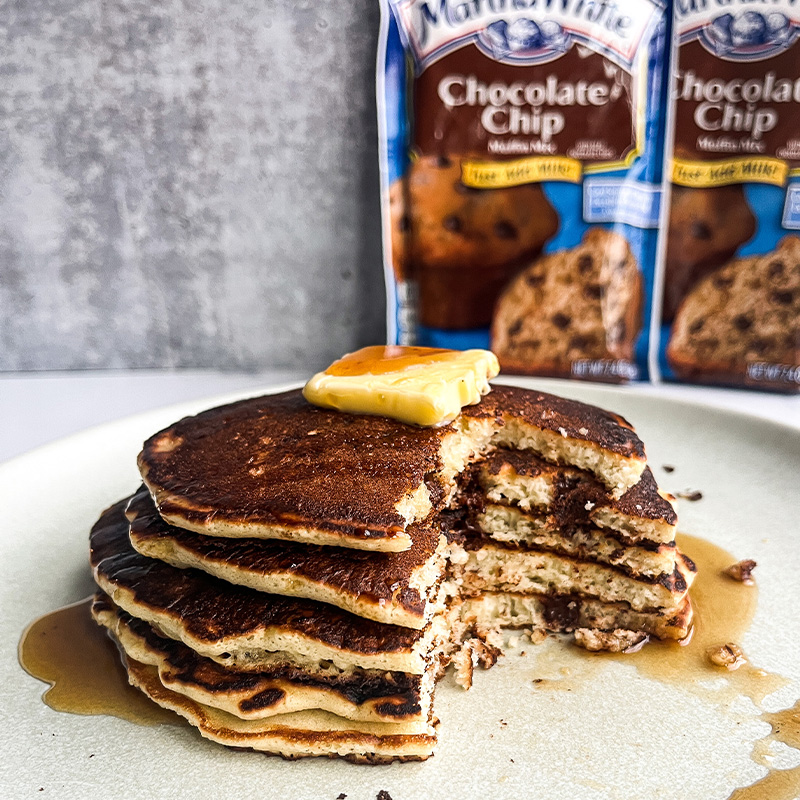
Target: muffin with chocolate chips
[(569, 307), (461, 244), (706, 226), (741, 324)]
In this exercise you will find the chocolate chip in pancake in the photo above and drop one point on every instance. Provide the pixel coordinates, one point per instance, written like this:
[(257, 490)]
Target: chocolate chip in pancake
[(565, 431), (576, 497), (277, 467)]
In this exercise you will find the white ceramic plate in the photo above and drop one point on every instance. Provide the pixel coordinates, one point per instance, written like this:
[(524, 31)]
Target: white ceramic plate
[(616, 735)]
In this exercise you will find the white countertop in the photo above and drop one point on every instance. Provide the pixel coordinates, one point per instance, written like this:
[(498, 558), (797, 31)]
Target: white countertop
[(37, 408)]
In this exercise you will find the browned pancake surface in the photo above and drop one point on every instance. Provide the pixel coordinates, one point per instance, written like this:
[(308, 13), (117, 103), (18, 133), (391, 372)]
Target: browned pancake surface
[(370, 579), (392, 694), (279, 460), (296, 735), (569, 418), (212, 610), (644, 501)]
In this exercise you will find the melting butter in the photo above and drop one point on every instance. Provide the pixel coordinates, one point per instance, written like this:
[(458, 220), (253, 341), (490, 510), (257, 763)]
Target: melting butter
[(423, 386)]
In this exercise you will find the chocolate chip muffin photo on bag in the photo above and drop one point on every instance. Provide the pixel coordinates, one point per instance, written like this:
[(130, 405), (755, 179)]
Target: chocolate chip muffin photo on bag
[(506, 132), (741, 324), (461, 244), (729, 274), (706, 227), (573, 313)]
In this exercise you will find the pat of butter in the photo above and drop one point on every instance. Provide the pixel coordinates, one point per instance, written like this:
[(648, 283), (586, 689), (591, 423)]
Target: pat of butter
[(423, 386)]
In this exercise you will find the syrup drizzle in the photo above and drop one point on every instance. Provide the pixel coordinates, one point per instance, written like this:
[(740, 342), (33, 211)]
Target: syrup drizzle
[(382, 359), (69, 651), (723, 611), (777, 784)]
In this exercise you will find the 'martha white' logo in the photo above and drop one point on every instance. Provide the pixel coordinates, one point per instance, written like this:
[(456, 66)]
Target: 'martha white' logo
[(527, 30), (735, 31)]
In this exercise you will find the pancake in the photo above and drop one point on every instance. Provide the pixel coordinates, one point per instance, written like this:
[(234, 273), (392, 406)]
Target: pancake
[(575, 497), (296, 735), (478, 564), (394, 588), (566, 613), (295, 579), (511, 525), (277, 467), (394, 697), (238, 626), (565, 431)]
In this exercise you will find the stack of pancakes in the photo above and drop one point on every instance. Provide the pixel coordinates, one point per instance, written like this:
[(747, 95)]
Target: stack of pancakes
[(295, 580)]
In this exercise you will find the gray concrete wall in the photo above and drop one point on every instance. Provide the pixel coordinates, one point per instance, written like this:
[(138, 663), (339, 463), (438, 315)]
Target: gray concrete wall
[(187, 183)]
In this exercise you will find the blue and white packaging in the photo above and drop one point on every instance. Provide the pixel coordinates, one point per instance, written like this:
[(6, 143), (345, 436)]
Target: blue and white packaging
[(730, 278), (521, 151)]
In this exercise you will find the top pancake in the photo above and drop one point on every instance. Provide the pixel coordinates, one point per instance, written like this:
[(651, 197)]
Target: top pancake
[(278, 467), (566, 431)]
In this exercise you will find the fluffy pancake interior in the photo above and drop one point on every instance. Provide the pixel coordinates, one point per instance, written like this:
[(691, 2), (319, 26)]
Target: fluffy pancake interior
[(491, 566), (510, 525), (643, 512)]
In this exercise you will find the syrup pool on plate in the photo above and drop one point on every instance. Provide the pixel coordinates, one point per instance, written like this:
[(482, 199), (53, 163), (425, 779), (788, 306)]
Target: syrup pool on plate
[(68, 650)]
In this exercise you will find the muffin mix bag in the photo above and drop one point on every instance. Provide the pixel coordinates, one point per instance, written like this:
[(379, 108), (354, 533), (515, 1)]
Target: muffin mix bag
[(521, 149), (731, 270)]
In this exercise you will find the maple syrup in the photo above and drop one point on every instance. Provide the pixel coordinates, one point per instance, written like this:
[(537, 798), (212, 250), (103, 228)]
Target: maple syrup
[(68, 650), (382, 359), (777, 784), (723, 611)]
